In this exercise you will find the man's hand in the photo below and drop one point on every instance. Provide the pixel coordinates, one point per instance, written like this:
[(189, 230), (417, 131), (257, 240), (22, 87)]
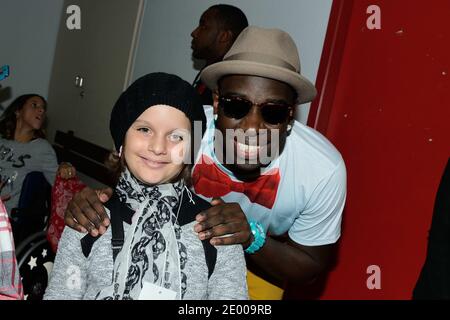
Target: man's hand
[(85, 212), (224, 223)]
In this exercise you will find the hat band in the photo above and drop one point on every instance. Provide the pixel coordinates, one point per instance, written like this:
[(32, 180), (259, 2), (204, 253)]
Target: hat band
[(261, 58)]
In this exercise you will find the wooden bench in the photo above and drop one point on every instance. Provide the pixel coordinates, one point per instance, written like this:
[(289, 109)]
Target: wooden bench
[(85, 156)]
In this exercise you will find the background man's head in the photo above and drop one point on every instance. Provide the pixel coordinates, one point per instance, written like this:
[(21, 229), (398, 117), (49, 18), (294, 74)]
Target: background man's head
[(218, 27)]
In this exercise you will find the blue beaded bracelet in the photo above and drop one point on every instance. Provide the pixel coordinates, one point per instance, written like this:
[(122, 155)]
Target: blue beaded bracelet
[(259, 237)]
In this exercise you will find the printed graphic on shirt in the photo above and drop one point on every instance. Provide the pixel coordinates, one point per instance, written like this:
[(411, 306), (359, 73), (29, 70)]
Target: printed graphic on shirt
[(9, 158)]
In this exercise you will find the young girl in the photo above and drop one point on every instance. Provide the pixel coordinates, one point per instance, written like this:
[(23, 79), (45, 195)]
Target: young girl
[(150, 251)]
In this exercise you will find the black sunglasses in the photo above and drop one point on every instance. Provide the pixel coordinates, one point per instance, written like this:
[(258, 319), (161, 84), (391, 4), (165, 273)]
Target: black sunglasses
[(273, 113)]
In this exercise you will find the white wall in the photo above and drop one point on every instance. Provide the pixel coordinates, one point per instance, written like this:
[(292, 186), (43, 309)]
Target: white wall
[(29, 31), (165, 35), (27, 43)]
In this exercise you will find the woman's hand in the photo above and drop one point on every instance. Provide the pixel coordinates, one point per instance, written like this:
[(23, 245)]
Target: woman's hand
[(4, 197), (66, 171)]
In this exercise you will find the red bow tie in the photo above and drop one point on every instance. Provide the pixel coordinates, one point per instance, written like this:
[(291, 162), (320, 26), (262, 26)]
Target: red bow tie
[(211, 182)]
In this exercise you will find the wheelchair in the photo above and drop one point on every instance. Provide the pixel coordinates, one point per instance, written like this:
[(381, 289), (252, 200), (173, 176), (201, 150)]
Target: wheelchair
[(29, 223), (35, 262), (34, 207)]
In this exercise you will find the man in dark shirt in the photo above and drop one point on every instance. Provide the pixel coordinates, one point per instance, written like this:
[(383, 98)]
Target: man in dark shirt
[(434, 280), (218, 27)]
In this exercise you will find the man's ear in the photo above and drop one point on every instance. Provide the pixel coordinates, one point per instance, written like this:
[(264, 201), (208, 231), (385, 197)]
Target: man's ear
[(225, 36), (215, 102)]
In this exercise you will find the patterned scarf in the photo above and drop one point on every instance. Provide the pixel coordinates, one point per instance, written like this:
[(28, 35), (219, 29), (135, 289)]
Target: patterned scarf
[(153, 249)]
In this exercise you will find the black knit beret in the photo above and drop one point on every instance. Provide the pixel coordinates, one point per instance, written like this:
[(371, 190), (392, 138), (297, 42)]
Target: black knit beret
[(149, 90)]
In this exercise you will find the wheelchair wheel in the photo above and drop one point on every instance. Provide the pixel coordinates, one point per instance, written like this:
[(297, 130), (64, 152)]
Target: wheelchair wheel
[(35, 261)]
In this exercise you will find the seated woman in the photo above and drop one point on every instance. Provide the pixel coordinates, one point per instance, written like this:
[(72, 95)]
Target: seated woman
[(23, 147), (156, 253)]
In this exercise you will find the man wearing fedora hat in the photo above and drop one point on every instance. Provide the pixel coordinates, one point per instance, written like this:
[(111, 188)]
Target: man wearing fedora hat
[(286, 211), (300, 192)]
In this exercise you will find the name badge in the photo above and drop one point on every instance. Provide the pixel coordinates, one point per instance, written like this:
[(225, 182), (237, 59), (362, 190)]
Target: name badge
[(151, 291)]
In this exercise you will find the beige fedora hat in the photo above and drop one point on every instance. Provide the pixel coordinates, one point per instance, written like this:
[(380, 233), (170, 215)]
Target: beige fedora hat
[(269, 53)]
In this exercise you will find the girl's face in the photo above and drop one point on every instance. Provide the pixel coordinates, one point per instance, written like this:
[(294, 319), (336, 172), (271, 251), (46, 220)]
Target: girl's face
[(156, 143), (32, 114)]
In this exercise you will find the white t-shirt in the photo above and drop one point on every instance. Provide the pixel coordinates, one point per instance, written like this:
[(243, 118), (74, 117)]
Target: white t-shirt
[(307, 193)]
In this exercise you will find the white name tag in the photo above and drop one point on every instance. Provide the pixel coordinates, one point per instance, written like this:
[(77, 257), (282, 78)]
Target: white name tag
[(151, 291)]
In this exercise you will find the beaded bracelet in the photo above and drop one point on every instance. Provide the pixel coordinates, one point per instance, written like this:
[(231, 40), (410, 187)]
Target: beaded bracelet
[(259, 237)]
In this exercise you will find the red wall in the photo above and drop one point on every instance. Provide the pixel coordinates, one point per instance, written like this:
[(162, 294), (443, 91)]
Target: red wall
[(385, 103)]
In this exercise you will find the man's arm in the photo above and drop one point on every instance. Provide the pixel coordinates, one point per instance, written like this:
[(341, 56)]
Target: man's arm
[(290, 261), (280, 260)]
